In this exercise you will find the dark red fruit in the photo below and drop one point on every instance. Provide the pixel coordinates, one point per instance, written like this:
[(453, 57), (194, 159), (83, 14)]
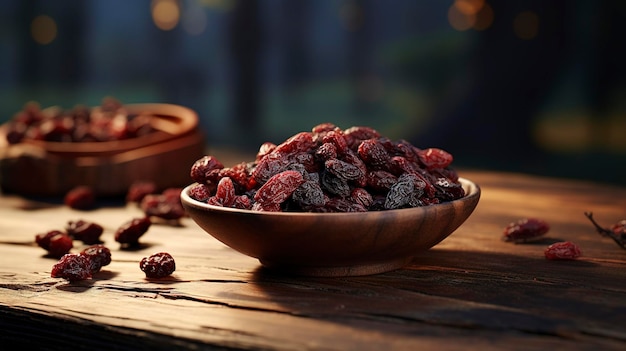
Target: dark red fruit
[(334, 163), (81, 198), (138, 190), (202, 169), (525, 230), (278, 188), (565, 250), (158, 265), (85, 231), (434, 158), (162, 206), (130, 232), (99, 256), (373, 153), (72, 267), (56, 242)]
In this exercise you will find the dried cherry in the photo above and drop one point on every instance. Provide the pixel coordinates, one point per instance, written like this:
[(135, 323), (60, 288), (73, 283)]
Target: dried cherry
[(85, 231), (80, 124), (72, 267), (278, 188), (525, 230), (162, 206), (55, 242), (130, 232), (81, 197), (99, 256), (139, 189), (202, 170), (200, 192), (434, 158), (565, 250), (158, 265)]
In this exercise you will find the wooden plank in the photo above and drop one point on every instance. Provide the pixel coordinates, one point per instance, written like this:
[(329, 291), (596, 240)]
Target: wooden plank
[(472, 290)]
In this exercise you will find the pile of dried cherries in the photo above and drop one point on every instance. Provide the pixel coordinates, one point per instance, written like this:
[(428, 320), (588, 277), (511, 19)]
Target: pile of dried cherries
[(330, 170)]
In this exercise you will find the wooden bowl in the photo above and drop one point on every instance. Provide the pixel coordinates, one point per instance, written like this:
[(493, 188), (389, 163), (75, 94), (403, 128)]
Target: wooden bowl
[(334, 244), (41, 168)]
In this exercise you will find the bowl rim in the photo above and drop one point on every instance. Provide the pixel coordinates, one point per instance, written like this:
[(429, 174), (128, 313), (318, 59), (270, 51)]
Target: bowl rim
[(187, 120), (474, 191)]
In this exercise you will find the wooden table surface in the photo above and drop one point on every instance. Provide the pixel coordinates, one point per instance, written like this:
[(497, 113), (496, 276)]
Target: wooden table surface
[(472, 291)]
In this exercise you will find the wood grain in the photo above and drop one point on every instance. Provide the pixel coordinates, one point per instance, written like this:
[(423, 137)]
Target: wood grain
[(472, 291)]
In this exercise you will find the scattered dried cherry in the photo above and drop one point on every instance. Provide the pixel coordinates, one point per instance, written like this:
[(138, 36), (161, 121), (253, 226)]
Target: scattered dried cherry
[(99, 256), (72, 267), (55, 242), (81, 197), (85, 231), (139, 189), (158, 265), (564, 250), (130, 232), (162, 206), (525, 230)]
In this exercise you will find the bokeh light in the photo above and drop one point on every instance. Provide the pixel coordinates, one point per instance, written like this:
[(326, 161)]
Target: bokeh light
[(165, 14), (470, 14), (43, 29)]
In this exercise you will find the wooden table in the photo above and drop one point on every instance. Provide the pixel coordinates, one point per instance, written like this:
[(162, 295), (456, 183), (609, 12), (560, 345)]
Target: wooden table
[(472, 291)]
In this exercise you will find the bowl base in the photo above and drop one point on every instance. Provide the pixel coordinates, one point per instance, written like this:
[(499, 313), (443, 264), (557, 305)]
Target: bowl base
[(337, 271)]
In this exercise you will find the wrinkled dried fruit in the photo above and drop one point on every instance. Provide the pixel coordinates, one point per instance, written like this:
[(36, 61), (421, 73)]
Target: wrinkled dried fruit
[(130, 232), (278, 188), (99, 256), (525, 230), (80, 124), (158, 265), (72, 267), (85, 231), (333, 163), (56, 242), (202, 169), (162, 206), (200, 192), (565, 250), (139, 189), (80, 198), (433, 158)]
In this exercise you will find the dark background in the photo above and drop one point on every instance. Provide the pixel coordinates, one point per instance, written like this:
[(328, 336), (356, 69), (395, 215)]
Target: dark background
[(534, 86)]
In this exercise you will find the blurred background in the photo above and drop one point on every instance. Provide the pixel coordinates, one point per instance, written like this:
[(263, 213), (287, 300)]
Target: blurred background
[(536, 86)]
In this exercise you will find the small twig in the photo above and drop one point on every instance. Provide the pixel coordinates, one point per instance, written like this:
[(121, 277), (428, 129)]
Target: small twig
[(606, 232)]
